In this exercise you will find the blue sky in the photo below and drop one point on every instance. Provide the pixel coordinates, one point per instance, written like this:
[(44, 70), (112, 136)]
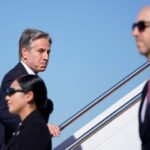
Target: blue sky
[(92, 50)]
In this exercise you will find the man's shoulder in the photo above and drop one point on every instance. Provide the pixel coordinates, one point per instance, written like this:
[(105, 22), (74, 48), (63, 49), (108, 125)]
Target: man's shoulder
[(12, 74), (16, 70)]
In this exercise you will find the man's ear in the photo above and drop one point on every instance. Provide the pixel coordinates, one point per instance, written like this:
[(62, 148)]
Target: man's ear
[(29, 96), (24, 52)]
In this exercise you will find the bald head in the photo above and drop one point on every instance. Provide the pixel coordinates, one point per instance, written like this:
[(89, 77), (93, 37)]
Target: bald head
[(144, 14), (141, 31)]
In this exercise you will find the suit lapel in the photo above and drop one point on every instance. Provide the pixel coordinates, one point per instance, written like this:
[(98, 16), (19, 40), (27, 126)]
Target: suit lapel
[(144, 125), (141, 124), (144, 92), (20, 69)]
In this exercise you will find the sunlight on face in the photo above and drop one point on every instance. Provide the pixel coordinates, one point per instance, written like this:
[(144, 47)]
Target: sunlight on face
[(16, 101), (142, 38), (38, 56)]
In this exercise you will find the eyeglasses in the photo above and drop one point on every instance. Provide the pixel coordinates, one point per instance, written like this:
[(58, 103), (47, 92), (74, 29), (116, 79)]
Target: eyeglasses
[(141, 25), (10, 91)]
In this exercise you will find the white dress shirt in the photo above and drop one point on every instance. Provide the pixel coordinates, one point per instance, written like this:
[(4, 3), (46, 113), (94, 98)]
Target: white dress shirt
[(28, 69)]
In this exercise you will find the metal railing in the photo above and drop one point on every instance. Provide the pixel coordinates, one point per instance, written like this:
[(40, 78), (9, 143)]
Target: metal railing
[(104, 95), (105, 122)]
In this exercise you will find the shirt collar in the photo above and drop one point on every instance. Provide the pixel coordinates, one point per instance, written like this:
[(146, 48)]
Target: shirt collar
[(28, 69)]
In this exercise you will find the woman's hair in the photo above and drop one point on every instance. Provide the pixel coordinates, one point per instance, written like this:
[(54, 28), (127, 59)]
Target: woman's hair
[(37, 86)]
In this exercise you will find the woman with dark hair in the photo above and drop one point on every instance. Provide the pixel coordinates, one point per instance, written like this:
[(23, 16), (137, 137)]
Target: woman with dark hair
[(27, 97)]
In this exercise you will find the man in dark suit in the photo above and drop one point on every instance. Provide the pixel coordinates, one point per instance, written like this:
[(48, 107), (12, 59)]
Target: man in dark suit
[(34, 51), (141, 33)]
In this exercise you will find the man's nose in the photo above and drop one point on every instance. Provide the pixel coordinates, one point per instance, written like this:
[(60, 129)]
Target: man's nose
[(46, 56), (135, 32), (7, 98)]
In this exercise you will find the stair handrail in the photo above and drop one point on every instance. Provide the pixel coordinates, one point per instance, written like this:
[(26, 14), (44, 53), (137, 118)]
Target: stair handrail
[(105, 121), (104, 95)]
